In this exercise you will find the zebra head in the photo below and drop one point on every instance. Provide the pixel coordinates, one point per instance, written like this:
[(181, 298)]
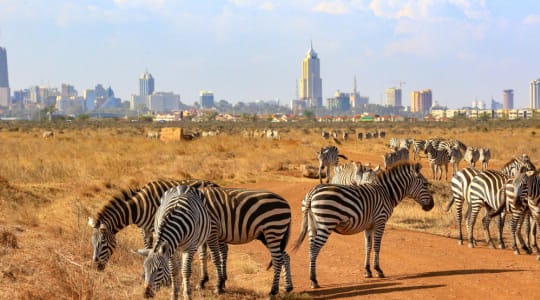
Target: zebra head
[(103, 242), (418, 188), (157, 272)]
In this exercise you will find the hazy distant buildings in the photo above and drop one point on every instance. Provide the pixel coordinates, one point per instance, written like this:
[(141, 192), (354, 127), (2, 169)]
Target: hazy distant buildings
[(421, 101), (508, 99), (5, 94), (163, 101), (206, 99), (146, 84), (393, 96), (534, 102), (355, 99), (311, 82), (339, 103)]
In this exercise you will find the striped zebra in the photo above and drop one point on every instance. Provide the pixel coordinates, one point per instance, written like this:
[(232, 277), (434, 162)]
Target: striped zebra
[(354, 173), (471, 156), (328, 157), (483, 158), (418, 146), (136, 206), (455, 158), (182, 223), (437, 159), (532, 185), (397, 155), (244, 215), (352, 209)]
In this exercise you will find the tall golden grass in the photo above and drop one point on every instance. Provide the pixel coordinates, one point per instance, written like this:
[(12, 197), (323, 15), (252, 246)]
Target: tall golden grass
[(48, 188)]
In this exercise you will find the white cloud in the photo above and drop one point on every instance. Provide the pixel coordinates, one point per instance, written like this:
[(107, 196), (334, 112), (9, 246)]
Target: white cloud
[(475, 9), (140, 3), (267, 5), (334, 7), (532, 19)]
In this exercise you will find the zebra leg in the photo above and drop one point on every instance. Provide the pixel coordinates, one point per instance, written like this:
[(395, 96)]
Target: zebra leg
[(459, 216), (277, 264), (217, 258), (470, 223), (485, 221), (203, 258), (379, 230), (187, 258), (368, 237), (286, 267), (514, 227), (315, 246), (524, 246), (328, 174), (320, 173), (502, 216), (175, 264)]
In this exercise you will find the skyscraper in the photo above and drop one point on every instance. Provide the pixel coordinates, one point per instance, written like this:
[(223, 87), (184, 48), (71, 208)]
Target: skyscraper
[(206, 99), (146, 84), (4, 81), (393, 97), (311, 82), (508, 99), (421, 101), (534, 102)]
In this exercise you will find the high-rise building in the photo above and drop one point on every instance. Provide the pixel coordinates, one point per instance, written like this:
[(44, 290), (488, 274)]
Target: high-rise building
[(4, 81), (339, 103), (508, 99), (421, 101), (355, 99), (534, 102), (393, 96), (206, 99), (146, 84), (311, 82)]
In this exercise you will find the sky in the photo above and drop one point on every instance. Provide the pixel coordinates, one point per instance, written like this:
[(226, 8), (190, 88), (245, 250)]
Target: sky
[(249, 50)]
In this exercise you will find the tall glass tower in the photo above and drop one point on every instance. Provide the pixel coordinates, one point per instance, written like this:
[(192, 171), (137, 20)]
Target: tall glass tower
[(311, 82), (535, 95), (146, 84), (4, 82)]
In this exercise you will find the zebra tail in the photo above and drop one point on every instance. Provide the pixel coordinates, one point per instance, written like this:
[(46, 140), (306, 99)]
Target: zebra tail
[(342, 156), (450, 204), (282, 245), (502, 207), (303, 230)]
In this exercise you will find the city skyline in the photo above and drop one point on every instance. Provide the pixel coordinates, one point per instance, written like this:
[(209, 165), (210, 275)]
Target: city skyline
[(247, 50)]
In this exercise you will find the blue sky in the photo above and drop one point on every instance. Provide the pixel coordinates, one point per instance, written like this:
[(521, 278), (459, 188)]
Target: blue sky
[(248, 50)]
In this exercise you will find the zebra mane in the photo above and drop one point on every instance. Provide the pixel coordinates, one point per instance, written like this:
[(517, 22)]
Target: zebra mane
[(399, 165), (122, 197)]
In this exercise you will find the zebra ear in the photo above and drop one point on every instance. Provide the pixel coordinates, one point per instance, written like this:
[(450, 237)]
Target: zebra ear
[(91, 222), (163, 249), (102, 228)]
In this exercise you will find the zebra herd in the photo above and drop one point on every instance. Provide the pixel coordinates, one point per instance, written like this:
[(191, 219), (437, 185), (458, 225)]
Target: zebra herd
[(179, 217)]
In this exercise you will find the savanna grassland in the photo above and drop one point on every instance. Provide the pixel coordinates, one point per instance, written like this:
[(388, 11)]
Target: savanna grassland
[(50, 186)]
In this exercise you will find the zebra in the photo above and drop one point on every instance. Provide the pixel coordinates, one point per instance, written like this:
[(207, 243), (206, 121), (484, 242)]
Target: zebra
[(532, 184), (345, 135), (513, 166), (136, 206), (181, 223), (328, 157), (243, 215), (359, 136), (437, 159), (418, 145), (485, 155), (47, 134), (471, 156), (326, 135), (349, 209), (455, 158), (354, 173)]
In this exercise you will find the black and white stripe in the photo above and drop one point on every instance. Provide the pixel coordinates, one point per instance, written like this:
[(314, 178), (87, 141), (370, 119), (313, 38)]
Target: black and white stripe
[(182, 224), (455, 158), (354, 173), (437, 160), (460, 188), (418, 146), (136, 206), (328, 158), (471, 156), (484, 157), (353, 209)]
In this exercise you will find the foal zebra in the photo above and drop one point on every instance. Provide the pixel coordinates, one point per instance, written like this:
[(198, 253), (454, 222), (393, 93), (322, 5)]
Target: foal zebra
[(328, 157), (243, 215), (353, 209), (133, 206), (354, 173), (181, 222)]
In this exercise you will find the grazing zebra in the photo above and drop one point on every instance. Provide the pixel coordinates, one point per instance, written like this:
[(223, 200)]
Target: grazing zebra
[(471, 156), (153, 134), (47, 134), (242, 216), (368, 135), (382, 134), (455, 158), (354, 173), (345, 135), (134, 206), (484, 157), (460, 185), (326, 135), (181, 223), (352, 209), (328, 157), (359, 136), (437, 159)]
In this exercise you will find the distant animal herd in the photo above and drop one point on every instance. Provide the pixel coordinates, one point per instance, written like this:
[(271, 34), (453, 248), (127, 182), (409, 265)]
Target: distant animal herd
[(178, 218)]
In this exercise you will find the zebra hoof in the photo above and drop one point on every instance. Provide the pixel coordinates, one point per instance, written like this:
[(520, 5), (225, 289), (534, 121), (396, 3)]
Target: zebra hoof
[(460, 242), (471, 245), (502, 246), (538, 257), (288, 289), (368, 275), (380, 274), (315, 284)]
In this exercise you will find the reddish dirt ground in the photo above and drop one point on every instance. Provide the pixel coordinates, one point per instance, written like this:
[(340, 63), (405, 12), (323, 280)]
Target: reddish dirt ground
[(416, 265)]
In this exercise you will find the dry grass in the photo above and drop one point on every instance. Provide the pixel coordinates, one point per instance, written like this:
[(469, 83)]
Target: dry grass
[(48, 187)]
